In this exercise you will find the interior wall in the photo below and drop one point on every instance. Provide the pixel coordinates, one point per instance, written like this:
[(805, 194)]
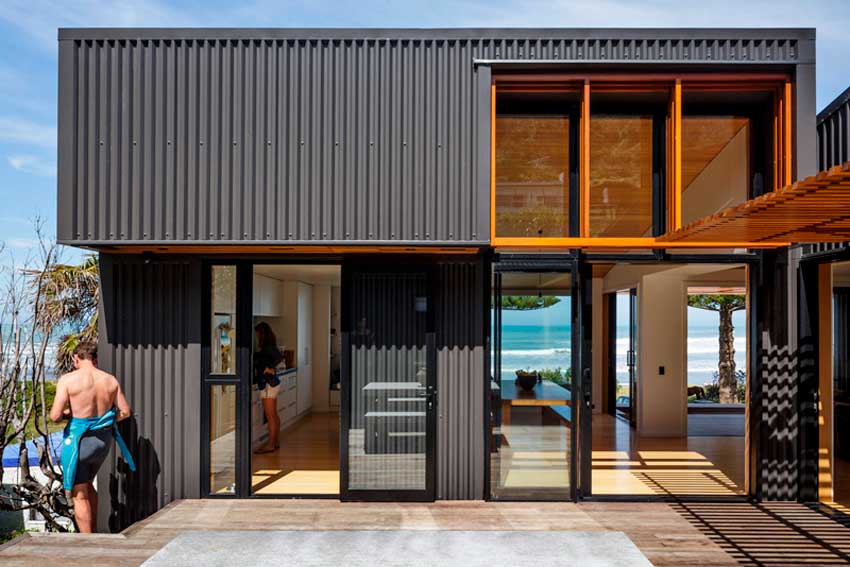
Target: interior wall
[(321, 353), (723, 182), (662, 341)]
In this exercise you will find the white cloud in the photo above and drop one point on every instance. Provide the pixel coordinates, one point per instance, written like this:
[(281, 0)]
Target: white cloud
[(21, 243), (32, 164), (23, 131), (41, 19)]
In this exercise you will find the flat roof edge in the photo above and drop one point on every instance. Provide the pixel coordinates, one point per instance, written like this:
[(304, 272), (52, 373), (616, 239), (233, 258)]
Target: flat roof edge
[(433, 33)]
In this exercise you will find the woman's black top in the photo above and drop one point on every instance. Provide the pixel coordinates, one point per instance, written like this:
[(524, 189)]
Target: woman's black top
[(266, 357)]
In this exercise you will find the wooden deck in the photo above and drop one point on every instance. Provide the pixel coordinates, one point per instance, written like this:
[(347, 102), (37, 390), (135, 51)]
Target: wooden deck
[(715, 535)]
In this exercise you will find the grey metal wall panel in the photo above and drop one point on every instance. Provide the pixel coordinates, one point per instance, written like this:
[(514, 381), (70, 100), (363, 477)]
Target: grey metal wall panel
[(460, 381), (834, 132), (309, 136), (150, 338), (293, 141)]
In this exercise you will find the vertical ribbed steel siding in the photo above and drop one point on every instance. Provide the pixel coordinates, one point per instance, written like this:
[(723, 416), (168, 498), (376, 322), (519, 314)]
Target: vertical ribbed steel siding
[(834, 132), (460, 381), (271, 141), (203, 138), (150, 339)]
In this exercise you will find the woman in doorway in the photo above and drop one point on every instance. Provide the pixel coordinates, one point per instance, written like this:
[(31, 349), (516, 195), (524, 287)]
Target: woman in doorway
[(266, 359)]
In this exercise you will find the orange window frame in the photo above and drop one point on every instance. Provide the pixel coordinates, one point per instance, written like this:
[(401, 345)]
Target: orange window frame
[(674, 84)]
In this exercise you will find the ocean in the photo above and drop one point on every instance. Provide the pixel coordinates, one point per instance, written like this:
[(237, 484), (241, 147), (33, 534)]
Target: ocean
[(532, 346)]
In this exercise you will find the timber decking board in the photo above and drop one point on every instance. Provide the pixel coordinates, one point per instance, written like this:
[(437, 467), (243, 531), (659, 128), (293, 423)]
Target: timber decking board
[(697, 535)]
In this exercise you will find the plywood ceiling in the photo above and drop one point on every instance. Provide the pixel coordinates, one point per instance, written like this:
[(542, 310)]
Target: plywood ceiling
[(815, 209)]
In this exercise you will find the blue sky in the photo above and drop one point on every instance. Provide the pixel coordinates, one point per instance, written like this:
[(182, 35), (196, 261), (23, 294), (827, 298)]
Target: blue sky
[(28, 66)]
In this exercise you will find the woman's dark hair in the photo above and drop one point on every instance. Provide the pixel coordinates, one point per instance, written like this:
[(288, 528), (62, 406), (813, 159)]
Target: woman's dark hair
[(265, 336)]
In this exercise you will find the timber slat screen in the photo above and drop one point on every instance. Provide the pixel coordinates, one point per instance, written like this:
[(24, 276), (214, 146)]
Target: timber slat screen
[(814, 209)]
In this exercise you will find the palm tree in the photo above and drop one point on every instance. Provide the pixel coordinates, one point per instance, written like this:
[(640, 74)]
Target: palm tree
[(71, 294), (725, 305)]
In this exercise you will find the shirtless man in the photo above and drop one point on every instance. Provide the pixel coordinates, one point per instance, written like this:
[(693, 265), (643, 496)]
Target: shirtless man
[(91, 393)]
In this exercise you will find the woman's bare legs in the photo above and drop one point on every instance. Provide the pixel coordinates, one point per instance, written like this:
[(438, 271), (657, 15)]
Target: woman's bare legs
[(273, 421)]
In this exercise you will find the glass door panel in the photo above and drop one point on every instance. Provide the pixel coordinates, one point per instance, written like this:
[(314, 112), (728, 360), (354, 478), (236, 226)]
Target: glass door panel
[(222, 383), (532, 423), (223, 438), (391, 387)]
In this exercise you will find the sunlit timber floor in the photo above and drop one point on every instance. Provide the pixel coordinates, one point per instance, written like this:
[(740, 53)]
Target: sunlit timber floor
[(307, 461), (530, 461), (626, 464)]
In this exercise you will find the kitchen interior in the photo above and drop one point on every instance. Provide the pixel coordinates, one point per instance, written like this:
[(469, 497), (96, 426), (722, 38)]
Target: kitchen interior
[(301, 304)]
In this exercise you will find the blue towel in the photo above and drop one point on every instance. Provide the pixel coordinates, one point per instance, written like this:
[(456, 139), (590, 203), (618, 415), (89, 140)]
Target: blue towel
[(74, 431)]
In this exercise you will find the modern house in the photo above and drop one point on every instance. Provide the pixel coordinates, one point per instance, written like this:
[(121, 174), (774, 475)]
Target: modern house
[(392, 203)]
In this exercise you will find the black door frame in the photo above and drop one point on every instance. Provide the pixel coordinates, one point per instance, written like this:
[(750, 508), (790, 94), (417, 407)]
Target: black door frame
[(632, 356), (387, 264), (580, 341)]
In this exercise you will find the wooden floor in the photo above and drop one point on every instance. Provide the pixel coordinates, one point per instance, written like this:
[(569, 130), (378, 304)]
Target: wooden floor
[(841, 483), (625, 464), (696, 535), (307, 461)]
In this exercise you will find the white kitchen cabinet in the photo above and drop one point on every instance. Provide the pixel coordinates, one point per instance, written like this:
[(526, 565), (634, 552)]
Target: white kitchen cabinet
[(267, 297), (304, 390)]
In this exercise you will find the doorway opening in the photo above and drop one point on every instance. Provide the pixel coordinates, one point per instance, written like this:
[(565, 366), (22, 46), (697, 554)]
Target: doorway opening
[(671, 412), (834, 371), (295, 393)]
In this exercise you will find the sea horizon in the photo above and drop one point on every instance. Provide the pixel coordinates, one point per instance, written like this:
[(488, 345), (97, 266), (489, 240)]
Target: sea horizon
[(539, 346)]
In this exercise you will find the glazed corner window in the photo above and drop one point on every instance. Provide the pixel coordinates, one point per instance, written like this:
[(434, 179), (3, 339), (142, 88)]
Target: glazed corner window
[(536, 160), (223, 320), (627, 156), (726, 138)]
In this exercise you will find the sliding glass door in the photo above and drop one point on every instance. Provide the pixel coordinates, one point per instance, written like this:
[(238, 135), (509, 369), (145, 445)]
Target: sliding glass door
[(534, 386)]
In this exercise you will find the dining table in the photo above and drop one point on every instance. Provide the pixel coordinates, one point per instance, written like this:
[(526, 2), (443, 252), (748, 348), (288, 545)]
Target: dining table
[(544, 393)]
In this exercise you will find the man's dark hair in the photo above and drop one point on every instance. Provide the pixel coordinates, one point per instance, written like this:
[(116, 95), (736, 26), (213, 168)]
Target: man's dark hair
[(86, 350)]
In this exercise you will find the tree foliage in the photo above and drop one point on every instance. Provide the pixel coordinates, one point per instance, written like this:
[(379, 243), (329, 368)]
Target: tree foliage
[(725, 305), (718, 302), (26, 332), (528, 302), (71, 294)]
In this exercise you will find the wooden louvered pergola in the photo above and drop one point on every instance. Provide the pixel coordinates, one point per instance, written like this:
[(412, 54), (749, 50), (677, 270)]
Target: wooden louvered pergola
[(815, 209)]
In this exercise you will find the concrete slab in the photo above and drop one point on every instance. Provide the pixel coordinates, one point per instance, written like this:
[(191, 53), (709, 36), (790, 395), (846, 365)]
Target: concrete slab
[(400, 548)]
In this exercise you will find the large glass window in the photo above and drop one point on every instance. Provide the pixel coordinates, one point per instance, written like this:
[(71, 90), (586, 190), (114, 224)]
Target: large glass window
[(726, 149), (715, 164), (621, 167), (223, 320), (533, 164)]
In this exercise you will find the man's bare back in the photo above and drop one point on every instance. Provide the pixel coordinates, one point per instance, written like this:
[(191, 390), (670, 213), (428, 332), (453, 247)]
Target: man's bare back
[(91, 392)]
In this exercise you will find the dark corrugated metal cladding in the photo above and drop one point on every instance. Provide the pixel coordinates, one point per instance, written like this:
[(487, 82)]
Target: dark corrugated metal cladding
[(834, 132), (833, 139), (269, 141), (460, 380), (150, 339), (270, 138)]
